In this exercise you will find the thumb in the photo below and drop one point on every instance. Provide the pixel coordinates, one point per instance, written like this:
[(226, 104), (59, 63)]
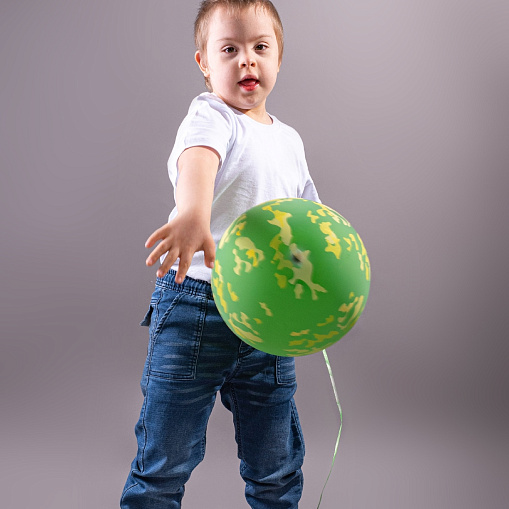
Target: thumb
[(209, 252)]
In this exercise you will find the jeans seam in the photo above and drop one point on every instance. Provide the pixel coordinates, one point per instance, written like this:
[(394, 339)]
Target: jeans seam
[(145, 434), (235, 411), (295, 418), (155, 318), (165, 315), (200, 325), (238, 364), (281, 378), (128, 489), (203, 447)]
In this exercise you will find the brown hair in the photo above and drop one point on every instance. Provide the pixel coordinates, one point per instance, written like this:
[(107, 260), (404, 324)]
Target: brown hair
[(207, 7)]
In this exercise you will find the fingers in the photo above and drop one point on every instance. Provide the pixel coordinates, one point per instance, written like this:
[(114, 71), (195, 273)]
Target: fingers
[(184, 264), (172, 254), (169, 260), (209, 252), (156, 254), (159, 234), (176, 241)]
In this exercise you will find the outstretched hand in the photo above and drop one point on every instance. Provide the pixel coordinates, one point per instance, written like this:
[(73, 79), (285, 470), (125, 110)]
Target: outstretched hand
[(180, 239)]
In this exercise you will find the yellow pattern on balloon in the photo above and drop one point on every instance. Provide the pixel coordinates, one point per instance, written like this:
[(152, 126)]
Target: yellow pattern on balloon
[(218, 283), (311, 216), (307, 350), (281, 221), (279, 257), (297, 342), (264, 306), (328, 320), (362, 255), (233, 295), (322, 337), (239, 326), (326, 211), (350, 312), (254, 254), (302, 268), (333, 243), (281, 280), (239, 262), (364, 260), (234, 229), (304, 274), (301, 333)]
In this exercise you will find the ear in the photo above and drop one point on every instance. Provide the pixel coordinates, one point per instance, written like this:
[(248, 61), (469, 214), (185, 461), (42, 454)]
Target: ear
[(202, 64)]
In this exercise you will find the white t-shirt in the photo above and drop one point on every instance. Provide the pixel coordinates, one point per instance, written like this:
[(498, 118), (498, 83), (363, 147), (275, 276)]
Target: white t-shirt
[(258, 162)]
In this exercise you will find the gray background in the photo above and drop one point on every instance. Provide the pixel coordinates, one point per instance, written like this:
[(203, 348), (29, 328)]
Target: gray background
[(404, 110)]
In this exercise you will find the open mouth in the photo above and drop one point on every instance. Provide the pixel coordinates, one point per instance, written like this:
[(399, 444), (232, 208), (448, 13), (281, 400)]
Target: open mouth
[(249, 83)]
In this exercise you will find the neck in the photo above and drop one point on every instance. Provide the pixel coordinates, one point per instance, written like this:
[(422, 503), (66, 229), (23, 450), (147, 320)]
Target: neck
[(263, 118)]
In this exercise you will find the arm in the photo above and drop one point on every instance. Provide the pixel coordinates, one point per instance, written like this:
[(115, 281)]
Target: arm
[(189, 232)]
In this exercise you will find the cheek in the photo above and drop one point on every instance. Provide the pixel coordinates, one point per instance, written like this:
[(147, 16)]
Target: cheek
[(222, 74), (274, 72)]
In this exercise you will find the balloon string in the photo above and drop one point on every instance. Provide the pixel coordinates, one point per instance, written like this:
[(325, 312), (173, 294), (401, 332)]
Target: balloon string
[(325, 356)]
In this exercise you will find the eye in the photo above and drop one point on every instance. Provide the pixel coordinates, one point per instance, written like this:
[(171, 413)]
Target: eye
[(261, 47), (229, 49)]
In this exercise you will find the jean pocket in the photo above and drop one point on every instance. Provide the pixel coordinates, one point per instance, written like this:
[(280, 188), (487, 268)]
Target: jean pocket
[(285, 370), (156, 297), (147, 319), (175, 336)]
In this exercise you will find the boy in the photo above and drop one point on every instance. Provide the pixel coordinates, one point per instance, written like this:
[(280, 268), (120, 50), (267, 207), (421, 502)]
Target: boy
[(229, 155)]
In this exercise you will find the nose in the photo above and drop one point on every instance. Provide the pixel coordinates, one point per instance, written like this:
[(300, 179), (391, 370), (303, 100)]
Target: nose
[(247, 60)]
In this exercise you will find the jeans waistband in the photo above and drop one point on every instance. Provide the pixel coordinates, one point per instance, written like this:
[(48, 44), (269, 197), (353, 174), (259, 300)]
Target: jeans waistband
[(189, 285)]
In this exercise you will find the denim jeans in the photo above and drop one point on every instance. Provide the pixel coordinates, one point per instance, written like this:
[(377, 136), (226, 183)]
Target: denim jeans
[(193, 355)]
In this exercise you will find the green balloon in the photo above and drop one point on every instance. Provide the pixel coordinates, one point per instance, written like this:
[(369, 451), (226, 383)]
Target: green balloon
[(291, 277)]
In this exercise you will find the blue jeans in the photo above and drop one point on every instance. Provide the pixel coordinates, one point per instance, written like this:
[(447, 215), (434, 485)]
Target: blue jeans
[(192, 355)]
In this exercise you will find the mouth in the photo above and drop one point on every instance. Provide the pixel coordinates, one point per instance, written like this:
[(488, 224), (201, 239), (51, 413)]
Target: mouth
[(249, 83)]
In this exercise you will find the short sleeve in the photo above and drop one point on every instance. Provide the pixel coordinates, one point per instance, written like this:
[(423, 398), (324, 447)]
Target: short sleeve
[(310, 192), (209, 124)]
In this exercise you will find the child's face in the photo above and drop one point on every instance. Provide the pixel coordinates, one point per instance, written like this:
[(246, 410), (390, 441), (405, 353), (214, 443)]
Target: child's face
[(242, 59)]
